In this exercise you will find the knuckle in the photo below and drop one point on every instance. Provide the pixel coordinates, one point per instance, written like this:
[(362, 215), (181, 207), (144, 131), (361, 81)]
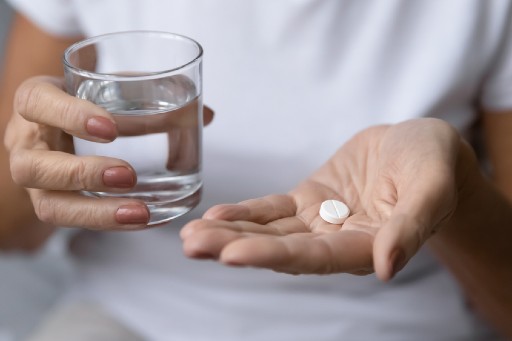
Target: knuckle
[(100, 218), (27, 98), (9, 137), (198, 225), (206, 235), (69, 113), (20, 173), (44, 208), (80, 174)]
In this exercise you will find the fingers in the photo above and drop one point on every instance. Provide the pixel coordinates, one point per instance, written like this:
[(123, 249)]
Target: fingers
[(43, 111), (73, 209), (203, 237), (303, 253), (279, 227), (42, 100), (184, 145), (61, 171), (202, 240), (261, 210), (296, 250), (208, 114)]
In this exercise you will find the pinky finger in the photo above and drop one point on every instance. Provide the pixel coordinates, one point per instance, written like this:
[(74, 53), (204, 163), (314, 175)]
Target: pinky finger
[(71, 209)]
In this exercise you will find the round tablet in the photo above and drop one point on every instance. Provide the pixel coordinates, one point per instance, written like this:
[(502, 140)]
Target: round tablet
[(334, 211)]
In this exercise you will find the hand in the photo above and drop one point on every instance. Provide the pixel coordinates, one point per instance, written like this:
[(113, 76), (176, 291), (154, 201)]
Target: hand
[(38, 138), (400, 182)]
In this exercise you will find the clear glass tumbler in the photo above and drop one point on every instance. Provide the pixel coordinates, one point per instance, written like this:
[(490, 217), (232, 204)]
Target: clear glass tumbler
[(151, 82)]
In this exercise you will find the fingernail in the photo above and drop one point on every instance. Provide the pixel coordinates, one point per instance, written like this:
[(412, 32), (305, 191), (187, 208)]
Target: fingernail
[(119, 177), (132, 214), (397, 261), (101, 127)]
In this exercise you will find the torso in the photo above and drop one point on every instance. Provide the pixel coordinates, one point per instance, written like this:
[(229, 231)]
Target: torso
[(290, 81)]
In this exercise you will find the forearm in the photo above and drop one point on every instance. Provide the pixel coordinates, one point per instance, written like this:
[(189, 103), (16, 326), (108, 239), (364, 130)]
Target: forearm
[(476, 246)]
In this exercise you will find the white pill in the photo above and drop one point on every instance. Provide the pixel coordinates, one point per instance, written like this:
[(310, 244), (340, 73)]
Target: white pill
[(334, 211)]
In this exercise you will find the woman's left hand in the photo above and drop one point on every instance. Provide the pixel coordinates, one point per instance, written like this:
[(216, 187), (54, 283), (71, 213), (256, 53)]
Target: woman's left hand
[(401, 182)]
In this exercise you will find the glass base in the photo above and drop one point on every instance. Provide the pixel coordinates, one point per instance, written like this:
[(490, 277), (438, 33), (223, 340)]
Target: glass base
[(160, 211), (163, 212)]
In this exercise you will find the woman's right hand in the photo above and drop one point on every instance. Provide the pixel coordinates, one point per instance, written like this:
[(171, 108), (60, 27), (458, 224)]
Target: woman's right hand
[(39, 140)]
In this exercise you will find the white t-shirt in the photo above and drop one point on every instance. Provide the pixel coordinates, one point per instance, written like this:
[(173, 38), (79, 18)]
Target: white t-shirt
[(290, 81)]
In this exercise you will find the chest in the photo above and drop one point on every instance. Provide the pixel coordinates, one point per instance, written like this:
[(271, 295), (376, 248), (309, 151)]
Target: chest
[(329, 67)]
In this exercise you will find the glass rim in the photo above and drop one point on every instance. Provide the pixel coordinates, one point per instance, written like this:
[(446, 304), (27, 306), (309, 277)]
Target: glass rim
[(140, 76)]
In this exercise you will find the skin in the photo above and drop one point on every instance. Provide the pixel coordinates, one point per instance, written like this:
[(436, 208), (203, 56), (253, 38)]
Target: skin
[(392, 213), (19, 226), (455, 210), (38, 137)]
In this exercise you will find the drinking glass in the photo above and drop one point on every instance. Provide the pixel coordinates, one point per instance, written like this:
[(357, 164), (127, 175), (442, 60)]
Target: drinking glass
[(151, 82)]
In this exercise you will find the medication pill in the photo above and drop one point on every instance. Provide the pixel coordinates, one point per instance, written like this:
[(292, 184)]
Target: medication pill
[(334, 211)]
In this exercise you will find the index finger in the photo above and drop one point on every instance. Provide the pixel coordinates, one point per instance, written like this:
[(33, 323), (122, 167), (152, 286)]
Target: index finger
[(260, 210), (42, 100)]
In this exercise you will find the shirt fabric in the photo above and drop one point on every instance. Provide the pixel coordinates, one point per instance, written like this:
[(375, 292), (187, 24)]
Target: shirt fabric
[(290, 81)]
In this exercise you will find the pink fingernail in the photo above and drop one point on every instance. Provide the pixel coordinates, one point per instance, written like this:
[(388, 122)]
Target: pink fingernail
[(101, 127), (132, 214), (119, 177)]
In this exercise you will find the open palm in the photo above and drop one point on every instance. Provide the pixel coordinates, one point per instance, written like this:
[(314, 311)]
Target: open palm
[(399, 181)]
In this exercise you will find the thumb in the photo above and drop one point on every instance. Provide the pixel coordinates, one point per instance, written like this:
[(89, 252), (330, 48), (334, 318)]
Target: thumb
[(414, 219), (395, 243)]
